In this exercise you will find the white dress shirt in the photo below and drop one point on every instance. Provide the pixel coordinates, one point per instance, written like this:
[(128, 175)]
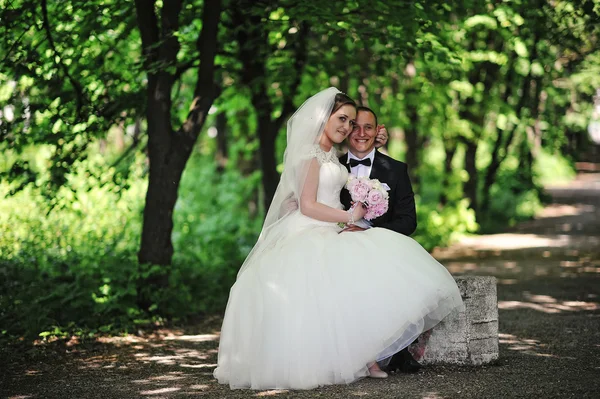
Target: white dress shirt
[(361, 170)]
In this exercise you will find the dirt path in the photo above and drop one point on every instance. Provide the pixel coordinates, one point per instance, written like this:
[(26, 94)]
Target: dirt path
[(549, 298)]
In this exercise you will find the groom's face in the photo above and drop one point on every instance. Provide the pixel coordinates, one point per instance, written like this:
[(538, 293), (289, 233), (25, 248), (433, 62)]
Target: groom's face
[(362, 139)]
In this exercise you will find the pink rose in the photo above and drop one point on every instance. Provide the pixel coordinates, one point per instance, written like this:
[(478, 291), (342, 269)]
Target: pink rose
[(375, 197), (374, 211), (381, 208), (370, 215), (352, 180), (359, 191)]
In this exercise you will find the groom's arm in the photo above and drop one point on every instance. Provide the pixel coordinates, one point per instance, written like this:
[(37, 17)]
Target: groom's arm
[(403, 218)]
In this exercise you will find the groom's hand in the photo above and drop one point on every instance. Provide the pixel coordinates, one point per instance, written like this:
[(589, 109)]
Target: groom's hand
[(289, 205), (352, 227)]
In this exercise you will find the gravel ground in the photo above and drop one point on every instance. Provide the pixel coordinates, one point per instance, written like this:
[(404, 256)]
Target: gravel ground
[(548, 274)]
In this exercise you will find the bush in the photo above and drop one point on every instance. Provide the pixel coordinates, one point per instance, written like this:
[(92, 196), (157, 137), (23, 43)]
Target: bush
[(72, 267), (439, 226), (515, 196)]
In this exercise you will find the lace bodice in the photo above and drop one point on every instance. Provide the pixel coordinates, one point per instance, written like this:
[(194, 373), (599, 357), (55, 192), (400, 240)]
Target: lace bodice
[(332, 177)]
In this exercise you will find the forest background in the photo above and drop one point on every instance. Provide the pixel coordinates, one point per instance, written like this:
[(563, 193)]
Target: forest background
[(142, 140)]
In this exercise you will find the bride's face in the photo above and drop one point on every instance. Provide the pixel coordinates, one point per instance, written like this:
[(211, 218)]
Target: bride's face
[(340, 123)]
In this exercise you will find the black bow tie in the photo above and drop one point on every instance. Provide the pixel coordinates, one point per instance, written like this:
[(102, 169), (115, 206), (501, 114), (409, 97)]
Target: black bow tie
[(355, 162)]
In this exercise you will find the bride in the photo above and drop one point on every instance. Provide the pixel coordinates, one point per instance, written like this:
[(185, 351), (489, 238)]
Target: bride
[(311, 306)]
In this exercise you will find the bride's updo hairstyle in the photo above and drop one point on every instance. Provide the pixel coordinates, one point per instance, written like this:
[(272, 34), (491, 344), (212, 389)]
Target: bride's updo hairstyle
[(342, 99)]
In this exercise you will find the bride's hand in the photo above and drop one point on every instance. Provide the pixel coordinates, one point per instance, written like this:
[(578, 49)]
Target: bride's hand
[(359, 211), (382, 136)]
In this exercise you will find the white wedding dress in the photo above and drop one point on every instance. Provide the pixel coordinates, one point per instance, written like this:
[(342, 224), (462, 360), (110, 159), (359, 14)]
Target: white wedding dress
[(314, 306)]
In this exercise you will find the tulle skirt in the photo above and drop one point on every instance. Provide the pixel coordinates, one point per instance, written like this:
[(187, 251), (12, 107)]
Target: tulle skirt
[(318, 306)]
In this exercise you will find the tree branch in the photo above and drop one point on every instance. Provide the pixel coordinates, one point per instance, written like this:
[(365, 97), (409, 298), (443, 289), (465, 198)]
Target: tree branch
[(169, 46), (76, 84), (129, 150), (300, 56), (181, 69), (206, 89), (148, 25), (12, 47)]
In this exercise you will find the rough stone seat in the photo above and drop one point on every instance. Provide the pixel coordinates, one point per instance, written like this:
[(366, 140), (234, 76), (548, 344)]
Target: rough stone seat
[(468, 336)]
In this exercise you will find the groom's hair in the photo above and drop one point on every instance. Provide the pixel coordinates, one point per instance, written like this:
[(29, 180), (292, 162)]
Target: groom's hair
[(367, 109), (340, 100)]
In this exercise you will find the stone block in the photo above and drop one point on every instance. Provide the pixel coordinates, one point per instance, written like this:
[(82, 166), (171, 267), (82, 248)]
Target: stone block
[(468, 336), (484, 330)]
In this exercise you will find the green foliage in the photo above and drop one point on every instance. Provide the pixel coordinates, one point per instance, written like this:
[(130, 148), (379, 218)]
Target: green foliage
[(70, 265), (439, 226), (514, 197), (553, 168), (72, 259), (61, 92), (216, 225)]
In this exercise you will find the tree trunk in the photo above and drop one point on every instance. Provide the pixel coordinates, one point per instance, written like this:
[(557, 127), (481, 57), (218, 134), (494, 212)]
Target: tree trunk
[(450, 150), (475, 112), (222, 145), (490, 175), (470, 187), (411, 136), (267, 133), (501, 144), (156, 246), (168, 151), (411, 133)]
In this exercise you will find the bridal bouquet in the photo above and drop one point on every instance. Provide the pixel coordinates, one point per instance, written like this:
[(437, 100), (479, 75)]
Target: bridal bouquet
[(371, 192)]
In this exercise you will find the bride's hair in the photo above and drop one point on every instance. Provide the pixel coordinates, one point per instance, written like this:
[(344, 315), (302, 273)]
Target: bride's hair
[(341, 99)]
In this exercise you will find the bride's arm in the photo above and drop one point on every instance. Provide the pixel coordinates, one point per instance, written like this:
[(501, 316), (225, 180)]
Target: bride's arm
[(313, 209)]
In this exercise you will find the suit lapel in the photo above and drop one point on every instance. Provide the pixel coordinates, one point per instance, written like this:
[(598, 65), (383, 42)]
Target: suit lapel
[(344, 161), (344, 194), (378, 168)]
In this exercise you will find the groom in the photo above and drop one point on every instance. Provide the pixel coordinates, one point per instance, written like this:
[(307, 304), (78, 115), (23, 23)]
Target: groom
[(363, 159)]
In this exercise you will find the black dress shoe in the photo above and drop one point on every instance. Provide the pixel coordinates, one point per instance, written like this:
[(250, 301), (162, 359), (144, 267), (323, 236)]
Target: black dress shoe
[(403, 362)]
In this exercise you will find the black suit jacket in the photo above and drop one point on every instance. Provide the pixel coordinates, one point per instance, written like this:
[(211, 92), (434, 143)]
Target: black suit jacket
[(401, 216)]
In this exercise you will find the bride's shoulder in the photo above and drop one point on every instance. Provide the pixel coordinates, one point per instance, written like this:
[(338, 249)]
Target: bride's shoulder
[(323, 156)]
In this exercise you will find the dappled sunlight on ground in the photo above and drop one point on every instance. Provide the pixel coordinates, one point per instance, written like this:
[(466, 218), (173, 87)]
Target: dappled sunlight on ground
[(509, 241), (550, 307), (568, 227), (585, 181), (359, 393), (560, 210), (524, 345), (193, 338), (174, 376), (272, 392), (182, 363), (159, 391), (203, 358), (432, 395), (509, 270), (470, 246)]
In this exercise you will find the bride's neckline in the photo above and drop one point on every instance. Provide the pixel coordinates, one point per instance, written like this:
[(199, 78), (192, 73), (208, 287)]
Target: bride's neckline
[(326, 152)]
